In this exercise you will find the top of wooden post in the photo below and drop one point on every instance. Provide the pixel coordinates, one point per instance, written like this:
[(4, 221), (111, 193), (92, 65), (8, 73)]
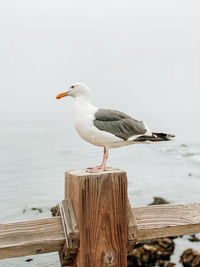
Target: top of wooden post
[(84, 172)]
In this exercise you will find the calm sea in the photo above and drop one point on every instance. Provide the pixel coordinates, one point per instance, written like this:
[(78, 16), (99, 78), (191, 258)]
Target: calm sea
[(35, 155)]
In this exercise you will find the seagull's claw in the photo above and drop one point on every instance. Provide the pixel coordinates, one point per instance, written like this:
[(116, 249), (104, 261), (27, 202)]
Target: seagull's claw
[(95, 169)]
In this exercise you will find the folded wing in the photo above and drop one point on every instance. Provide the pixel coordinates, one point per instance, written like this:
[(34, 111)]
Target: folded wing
[(118, 123)]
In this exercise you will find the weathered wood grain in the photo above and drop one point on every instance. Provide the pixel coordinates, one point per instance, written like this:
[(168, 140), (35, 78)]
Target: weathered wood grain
[(167, 220), (100, 204), (132, 229), (31, 237), (67, 256), (70, 226), (46, 235), (71, 232)]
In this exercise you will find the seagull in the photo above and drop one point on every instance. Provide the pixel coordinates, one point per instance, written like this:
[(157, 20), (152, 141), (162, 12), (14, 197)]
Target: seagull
[(107, 128)]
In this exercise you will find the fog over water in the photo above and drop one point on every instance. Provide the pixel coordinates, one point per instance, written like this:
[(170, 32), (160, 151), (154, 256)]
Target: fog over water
[(141, 57)]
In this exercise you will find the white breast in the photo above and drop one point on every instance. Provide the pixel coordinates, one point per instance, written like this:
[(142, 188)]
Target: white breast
[(83, 116)]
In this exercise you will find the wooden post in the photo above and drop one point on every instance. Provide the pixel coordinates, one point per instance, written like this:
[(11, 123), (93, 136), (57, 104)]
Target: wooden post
[(69, 250), (100, 205)]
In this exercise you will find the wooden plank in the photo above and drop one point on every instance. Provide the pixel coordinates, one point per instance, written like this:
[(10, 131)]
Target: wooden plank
[(69, 224), (132, 229), (71, 232), (31, 237), (100, 204), (167, 220), (67, 256), (25, 238)]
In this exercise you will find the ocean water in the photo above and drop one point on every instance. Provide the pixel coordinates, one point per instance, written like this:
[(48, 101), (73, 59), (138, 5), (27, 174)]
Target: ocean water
[(34, 156)]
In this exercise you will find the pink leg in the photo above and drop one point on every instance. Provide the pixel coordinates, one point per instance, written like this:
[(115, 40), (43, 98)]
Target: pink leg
[(102, 167), (99, 166)]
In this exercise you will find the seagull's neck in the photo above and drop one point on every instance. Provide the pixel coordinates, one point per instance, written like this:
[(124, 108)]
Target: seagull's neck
[(82, 99), (82, 105)]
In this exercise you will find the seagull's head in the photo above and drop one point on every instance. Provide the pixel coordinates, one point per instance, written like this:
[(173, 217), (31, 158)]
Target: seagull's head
[(76, 90)]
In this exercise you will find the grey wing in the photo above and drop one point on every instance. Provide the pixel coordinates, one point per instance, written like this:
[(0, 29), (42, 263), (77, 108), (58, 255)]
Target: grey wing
[(118, 123)]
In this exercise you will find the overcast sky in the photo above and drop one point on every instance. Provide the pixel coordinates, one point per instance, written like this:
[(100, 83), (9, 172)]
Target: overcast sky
[(139, 56)]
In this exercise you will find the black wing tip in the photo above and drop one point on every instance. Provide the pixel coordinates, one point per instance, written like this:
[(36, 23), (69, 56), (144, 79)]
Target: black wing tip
[(169, 136), (164, 135)]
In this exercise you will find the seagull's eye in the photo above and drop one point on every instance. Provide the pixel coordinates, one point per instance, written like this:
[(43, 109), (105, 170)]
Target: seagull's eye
[(72, 86)]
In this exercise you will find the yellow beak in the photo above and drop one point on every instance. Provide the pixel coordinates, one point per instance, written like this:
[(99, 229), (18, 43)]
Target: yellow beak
[(62, 95)]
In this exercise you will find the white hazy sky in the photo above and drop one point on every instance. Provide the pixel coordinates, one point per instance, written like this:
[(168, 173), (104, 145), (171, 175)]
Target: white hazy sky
[(139, 56)]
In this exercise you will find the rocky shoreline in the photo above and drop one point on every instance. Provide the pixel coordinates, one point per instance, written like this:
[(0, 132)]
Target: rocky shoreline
[(158, 252)]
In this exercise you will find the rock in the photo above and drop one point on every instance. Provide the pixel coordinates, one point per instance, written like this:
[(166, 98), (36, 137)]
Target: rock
[(155, 252), (190, 258), (24, 210), (184, 145), (55, 211), (170, 264), (194, 238), (159, 201), (28, 260), (38, 209)]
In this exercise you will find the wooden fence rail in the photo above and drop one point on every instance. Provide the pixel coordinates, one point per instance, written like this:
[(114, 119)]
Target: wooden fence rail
[(99, 202), (47, 235)]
